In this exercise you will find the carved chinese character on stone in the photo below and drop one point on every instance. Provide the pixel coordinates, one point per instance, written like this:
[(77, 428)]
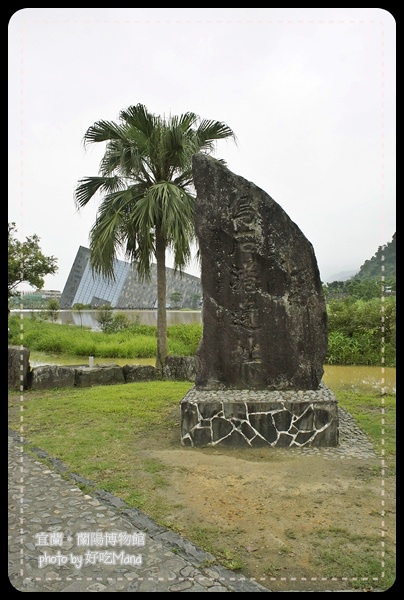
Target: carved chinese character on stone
[(264, 313)]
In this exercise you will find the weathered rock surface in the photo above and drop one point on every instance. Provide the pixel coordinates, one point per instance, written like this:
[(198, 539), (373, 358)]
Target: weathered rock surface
[(264, 312), (18, 367), (87, 377), (139, 373), (180, 368)]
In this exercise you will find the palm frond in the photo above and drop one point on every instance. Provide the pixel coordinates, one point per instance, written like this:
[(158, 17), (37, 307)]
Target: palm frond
[(103, 131), (105, 240), (171, 209), (138, 118), (89, 186), (187, 120), (214, 130)]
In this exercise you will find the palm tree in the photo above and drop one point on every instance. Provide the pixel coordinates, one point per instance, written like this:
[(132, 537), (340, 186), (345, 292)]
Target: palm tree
[(145, 180)]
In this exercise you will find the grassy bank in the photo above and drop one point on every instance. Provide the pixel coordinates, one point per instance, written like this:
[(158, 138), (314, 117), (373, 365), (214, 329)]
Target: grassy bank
[(350, 341), (135, 341)]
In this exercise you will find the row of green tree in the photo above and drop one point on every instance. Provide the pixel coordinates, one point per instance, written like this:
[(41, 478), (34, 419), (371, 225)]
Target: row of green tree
[(361, 289)]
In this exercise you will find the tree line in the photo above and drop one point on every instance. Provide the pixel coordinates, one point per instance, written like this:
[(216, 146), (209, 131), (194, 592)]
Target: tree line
[(361, 289)]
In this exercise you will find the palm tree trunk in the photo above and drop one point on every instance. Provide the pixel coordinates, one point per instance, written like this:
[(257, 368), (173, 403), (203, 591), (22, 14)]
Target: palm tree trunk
[(162, 344)]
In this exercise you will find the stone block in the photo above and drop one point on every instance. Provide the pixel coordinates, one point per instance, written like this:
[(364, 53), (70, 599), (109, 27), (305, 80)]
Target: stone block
[(180, 368), (18, 367), (51, 376), (90, 376), (134, 373), (259, 418)]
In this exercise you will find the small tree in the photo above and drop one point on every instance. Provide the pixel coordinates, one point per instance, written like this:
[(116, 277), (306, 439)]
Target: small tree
[(105, 317), (176, 298), (26, 262), (196, 301), (52, 311), (79, 307), (111, 323)]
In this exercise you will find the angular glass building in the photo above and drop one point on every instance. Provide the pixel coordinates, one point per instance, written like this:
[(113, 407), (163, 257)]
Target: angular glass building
[(126, 291)]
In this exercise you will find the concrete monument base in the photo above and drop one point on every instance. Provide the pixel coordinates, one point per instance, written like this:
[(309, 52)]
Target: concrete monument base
[(259, 418)]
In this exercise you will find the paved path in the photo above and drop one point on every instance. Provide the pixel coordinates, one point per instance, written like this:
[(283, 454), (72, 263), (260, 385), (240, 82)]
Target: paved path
[(130, 552), (62, 540)]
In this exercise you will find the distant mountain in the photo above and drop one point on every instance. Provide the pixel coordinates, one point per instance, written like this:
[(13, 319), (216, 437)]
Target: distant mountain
[(341, 276), (372, 268), (384, 257)]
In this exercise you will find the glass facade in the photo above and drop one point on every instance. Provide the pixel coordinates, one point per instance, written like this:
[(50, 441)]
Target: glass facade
[(126, 290), (96, 290)]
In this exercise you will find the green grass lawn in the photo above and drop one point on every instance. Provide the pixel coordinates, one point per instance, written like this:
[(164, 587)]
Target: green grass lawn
[(70, 424)]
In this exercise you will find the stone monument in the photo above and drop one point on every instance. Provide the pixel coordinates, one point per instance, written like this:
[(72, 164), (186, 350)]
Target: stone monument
[(259, 365)]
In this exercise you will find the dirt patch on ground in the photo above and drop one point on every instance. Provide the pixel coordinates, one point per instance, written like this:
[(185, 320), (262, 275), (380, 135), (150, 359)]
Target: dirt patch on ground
[(289, 518)]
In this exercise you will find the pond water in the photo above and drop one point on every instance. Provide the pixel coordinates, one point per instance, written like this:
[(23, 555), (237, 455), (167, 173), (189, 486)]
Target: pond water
[(359, 378), (88, 318)]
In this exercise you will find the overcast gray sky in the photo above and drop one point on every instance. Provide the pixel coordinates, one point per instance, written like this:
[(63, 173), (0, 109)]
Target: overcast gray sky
[(309, 92)]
